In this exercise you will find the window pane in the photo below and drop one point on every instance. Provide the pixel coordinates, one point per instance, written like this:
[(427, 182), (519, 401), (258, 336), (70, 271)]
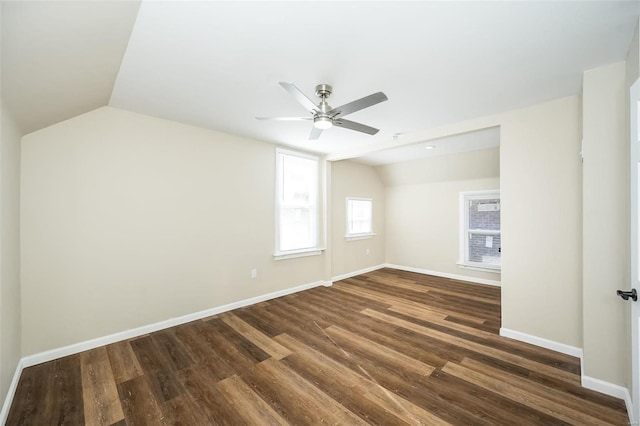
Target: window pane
[(297, 183), (359, 216), (484, 249), (485, 214), (299, 180), (297, 229)]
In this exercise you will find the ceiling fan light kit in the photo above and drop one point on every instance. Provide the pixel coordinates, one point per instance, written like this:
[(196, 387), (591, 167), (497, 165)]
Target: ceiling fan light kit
[(324, 116), (322, 122)]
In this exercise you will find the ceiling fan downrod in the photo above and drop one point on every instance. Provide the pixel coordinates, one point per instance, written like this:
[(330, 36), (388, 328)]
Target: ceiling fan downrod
[(322, 120)]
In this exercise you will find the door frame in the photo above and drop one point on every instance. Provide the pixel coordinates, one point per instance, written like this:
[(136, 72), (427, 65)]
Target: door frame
[(634, 218)]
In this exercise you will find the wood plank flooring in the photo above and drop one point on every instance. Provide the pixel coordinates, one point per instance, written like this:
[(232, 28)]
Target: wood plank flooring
[(383, 348)]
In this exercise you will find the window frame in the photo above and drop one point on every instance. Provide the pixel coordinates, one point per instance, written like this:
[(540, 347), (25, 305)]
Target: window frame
[(316, 248), (465, 198), (350, 236)]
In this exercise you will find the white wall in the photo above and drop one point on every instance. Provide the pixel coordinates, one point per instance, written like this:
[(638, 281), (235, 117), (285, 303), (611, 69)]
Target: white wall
[(540, 179), (129, 220), (10, 306), (422, 208), (605, 222), (350, 179)]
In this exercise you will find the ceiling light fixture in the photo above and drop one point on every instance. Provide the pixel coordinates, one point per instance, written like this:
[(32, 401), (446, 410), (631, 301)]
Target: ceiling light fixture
[(429, 147), (322, 122)]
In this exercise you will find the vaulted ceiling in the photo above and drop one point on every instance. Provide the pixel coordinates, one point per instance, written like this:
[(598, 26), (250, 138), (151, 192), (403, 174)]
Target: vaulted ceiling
[(217, 64)]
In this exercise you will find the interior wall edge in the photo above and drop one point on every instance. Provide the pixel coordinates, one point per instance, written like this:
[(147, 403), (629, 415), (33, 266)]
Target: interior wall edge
[(355, 273), (10, 279), (610, 389), (11, 392)]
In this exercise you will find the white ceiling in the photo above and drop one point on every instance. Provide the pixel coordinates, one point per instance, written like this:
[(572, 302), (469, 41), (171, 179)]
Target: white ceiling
[(471, 141), (217, 64)]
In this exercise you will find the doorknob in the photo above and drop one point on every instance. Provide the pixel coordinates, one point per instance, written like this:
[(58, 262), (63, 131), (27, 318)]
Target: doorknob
[(633, 294)]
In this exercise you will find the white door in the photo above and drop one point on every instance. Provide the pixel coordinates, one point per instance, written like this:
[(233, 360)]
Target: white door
[(635, 253)]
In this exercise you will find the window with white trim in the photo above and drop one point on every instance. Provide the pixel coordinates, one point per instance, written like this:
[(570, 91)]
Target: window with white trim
[(297, 207), (480, 235), (359, 218)]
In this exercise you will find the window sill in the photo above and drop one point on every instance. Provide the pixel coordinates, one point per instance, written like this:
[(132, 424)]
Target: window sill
[(354, 237), (297, 253), (494, 269)]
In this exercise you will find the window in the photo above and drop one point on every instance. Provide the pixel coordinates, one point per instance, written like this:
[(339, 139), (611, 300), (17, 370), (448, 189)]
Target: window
[(359, 218), (480, 242), (296, 204)]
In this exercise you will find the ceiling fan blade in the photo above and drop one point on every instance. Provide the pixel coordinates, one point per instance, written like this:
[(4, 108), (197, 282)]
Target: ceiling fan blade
[(299, 96), (285, 118), (352, 125), (315, 133), (359, 104)]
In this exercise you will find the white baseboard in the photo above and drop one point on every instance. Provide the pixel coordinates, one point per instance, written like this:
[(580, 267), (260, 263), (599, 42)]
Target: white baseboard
[(607, 388), (543, 343), (587, 382), (354, 273), (75, 348), (443, 274), (11, 393)]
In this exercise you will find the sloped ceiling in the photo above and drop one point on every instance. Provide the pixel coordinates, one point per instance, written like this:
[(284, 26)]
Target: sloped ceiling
[(61, 59), (217, 64)]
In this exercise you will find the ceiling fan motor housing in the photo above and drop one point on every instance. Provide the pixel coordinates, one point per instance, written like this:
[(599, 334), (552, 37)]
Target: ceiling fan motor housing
[(323, 90)]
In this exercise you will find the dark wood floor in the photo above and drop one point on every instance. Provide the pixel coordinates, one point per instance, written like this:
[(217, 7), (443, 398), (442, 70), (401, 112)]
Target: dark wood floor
[(386, 348)]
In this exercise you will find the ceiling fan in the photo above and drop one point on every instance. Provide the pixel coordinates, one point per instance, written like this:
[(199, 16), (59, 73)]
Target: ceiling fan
[(324, 116)]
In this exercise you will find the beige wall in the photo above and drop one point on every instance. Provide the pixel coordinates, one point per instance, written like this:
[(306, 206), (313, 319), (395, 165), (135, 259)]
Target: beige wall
[(129, 220), (350, 179), (10, 306), (422, 208), (605, 222), (446, 168), (541, 221)]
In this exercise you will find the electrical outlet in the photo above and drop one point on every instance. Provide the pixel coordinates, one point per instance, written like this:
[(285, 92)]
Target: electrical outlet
[(367, 252), (254, 273)]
